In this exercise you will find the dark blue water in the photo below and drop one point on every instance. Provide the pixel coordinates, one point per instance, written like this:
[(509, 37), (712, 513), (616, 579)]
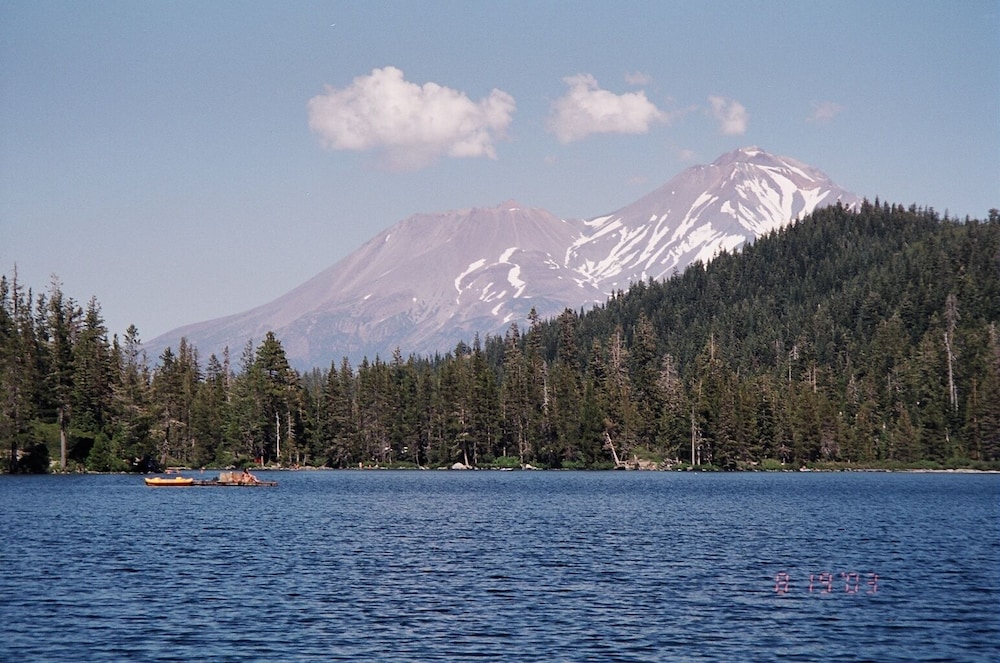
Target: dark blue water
[(503, 566)]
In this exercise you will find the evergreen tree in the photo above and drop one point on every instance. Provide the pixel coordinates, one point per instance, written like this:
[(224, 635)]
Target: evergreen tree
[(278, 398), (644, 365), (58, 332), (372, 424), (403, 414), (208, 417), (92, 373), (674, 422), (336, 428), (169, 408), (537, 390), (20, 378), (246, 426), (484, 405), (984, 418), (621, 415), (131, 402), (515, 407), (566, 394)]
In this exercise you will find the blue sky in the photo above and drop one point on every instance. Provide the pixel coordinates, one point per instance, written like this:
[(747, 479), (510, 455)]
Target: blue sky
[(182, 160)]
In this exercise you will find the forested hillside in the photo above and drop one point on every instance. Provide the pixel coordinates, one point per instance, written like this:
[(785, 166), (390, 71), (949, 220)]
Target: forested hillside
[(865, 338)]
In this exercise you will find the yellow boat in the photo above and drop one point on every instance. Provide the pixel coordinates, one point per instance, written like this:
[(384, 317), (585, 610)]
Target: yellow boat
[(174, 481)]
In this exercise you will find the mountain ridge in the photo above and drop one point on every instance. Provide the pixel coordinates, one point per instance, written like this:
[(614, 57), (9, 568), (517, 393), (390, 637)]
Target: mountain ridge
[(432, 280)]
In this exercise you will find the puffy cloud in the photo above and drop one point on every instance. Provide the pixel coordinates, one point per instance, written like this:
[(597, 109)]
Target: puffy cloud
[(410, 125), (638, 78), (587, 109), (824, 111), (731, 115)]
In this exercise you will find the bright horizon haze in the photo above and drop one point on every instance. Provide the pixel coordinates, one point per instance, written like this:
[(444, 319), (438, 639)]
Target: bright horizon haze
[(183, 161)]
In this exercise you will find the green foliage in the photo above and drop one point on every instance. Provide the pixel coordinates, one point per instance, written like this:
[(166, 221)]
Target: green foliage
[(105, 456), (863, 338), (505, 462)]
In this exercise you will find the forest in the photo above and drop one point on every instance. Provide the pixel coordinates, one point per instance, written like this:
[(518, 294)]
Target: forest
[(860, 338)]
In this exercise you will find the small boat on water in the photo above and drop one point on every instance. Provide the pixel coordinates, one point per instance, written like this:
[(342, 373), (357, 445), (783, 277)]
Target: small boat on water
[(173, 481), (225, 479), (237, 479)]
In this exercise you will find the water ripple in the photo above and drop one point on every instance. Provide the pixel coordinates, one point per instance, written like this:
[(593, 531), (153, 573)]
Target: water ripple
[(444, 566)]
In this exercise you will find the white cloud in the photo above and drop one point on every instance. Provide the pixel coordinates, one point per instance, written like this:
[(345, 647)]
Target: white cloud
[(410, 125), (731, 115), (824, 111), (638, 78), (586, 109)]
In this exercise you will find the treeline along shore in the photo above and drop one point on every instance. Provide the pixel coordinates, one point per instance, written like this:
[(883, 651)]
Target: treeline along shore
[(853, 338)]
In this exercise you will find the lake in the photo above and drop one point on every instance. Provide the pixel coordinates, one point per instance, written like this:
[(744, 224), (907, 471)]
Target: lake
[(503, 566)]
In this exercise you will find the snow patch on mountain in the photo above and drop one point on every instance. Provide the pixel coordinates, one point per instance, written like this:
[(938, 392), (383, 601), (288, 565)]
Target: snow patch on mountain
[(513, 277), (468, 270)]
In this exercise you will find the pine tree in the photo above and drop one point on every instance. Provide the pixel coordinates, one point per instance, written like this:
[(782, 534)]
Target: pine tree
[(246, 426), (590, 447), (92, 373), (169, 406), (515, 411), (61, 317), (209, 412), (987, 412), (564, 404), (372, 424), (707, 392), (644, 365), (279, 398), (621, 415), (484, 406), (674, 423), (19, 378), (537, 394), (403, 413), (336, 416), (131, 402)]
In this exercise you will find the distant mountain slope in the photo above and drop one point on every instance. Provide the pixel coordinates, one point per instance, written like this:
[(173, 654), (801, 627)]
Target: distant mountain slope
[(742, 195), (435, 279)]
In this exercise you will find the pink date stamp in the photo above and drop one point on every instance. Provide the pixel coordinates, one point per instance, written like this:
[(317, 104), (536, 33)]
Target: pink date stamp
[(847, 582)]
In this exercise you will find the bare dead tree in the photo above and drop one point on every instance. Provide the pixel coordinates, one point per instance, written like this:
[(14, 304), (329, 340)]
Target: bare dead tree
[(951, 317)]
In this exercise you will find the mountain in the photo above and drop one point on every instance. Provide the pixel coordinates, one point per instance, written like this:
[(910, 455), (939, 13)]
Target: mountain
[(422, 285), (433, 280), (741, 196)]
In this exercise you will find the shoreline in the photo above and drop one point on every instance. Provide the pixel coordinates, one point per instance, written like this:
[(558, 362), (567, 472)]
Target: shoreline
[(803, 470)]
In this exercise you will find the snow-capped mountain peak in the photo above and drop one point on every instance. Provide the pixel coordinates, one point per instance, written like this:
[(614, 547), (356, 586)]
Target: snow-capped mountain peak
[(744, 194), (433, 280)]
